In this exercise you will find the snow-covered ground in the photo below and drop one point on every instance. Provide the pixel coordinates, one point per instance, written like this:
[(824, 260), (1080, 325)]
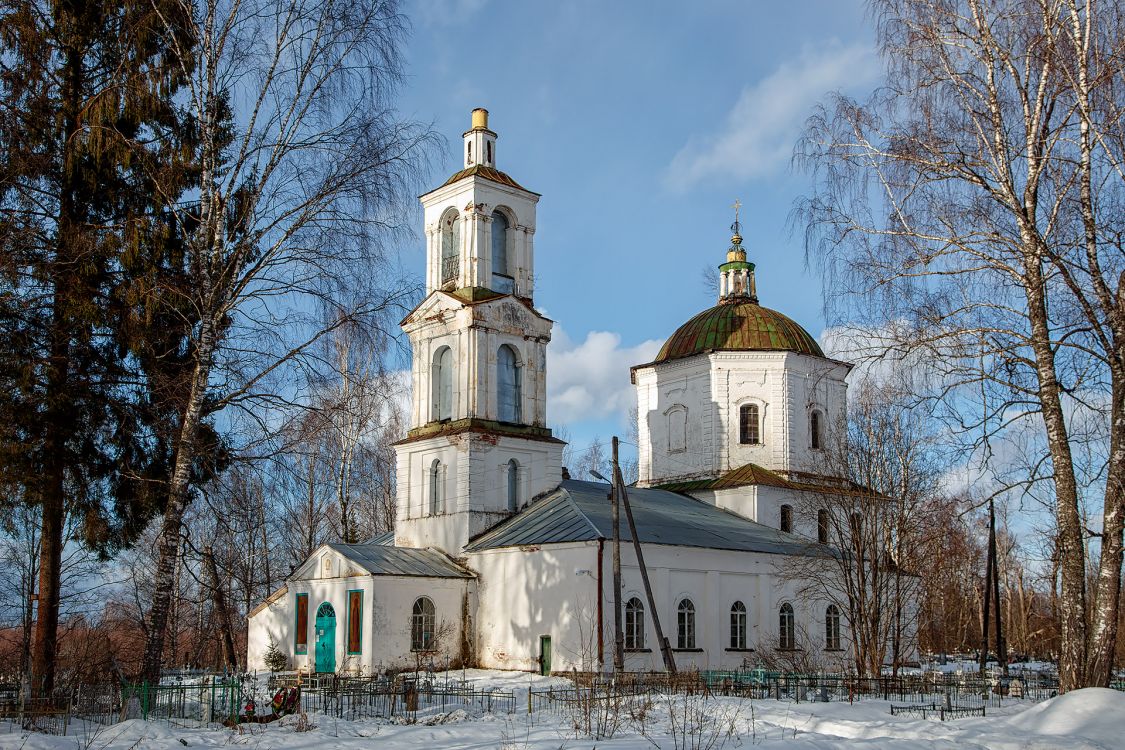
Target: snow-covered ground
[(1091, 719)]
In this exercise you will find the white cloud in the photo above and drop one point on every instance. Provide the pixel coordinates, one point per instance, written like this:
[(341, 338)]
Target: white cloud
[(590, 380), (757, 137)]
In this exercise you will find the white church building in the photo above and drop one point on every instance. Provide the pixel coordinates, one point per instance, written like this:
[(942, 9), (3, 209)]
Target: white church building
[(499, 561)]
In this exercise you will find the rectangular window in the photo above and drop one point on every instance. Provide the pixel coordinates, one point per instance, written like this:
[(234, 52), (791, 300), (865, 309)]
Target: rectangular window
[(355, 622), (302, 641)]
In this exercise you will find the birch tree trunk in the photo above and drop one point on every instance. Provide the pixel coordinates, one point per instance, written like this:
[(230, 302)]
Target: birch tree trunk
[(303, 163)]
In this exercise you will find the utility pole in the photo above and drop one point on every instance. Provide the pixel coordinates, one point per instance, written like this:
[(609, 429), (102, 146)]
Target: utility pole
[(665, 647), (1001, 647), (986, 600), (618, 633)]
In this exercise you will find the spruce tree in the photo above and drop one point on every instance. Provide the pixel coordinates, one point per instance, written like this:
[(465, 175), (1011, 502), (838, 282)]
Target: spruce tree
[(87, 125)]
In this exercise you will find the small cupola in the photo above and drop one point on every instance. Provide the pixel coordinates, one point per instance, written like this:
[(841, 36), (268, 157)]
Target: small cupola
[(480, 142), (736, 276)]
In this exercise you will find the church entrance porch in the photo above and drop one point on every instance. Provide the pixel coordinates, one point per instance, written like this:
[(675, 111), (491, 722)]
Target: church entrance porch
[(325, 638)]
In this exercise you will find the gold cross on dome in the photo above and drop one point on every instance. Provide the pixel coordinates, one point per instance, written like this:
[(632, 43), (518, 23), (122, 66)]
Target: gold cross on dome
[(737, 205)]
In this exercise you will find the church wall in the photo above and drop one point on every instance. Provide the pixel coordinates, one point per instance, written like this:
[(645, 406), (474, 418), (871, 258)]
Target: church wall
[(712, 388), (385, 634), (528, 592), (814, 383), (391, 619), (740, 378), (713, 580), (278, 620), (475, 485), (674, 407), (274, 619)]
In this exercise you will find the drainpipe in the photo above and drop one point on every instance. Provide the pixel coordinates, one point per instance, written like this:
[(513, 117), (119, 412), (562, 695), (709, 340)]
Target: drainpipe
[(601, 646)]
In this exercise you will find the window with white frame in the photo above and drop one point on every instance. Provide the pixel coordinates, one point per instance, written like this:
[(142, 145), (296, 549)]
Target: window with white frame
[(422, 624), (634, 624), (738, 626), (787, 635), (832, 628), (685, 624), (749, 424)]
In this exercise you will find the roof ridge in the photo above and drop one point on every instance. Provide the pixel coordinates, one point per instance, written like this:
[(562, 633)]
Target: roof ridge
[(586, 518)]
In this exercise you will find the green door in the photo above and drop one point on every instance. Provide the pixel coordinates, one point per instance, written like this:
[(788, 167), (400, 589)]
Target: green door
[(545, 654), (325, 638)]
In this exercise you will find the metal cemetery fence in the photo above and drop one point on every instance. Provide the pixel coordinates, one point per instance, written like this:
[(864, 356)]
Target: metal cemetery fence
[(203, 700), (407, 697), (942, 696)]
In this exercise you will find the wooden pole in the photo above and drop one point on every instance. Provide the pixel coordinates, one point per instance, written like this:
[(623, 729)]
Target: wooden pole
[(665, 647), (618, 632)]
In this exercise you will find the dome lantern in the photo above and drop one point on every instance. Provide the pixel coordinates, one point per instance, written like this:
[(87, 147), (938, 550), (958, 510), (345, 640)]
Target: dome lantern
[(736, 276)]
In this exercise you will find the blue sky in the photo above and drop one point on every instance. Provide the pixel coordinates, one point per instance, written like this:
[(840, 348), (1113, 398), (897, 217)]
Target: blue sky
[(639, 123)]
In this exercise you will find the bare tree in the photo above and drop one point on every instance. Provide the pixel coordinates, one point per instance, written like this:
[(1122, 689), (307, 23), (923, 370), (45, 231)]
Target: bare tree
[(870, 527), (957, 219), (302, 163)]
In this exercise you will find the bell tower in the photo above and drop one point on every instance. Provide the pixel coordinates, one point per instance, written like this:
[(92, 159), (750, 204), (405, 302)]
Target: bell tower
[(478, 448)]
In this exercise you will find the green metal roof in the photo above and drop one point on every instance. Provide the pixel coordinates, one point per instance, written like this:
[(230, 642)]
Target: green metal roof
[(738, 325)]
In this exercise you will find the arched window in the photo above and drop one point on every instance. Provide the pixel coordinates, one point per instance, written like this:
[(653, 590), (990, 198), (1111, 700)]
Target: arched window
[(822, 526), (441, 385), (855, 521), (508, 385), (832, 628), (435, 488), (513, 485), (748, 425), (422, 625), (815, 437), (685, 624), (450, 247), (634, 624), (677, 428), (787, 637), (501, 263), (738, 625), (787, 519)]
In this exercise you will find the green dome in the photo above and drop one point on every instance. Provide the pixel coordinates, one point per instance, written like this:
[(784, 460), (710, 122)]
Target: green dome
[(738, 325)]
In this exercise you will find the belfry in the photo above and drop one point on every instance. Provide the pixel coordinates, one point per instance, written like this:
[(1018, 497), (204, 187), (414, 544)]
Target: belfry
[(478, 447)]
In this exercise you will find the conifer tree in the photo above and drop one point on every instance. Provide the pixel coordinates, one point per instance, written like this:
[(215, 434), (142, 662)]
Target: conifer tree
[(87, 125)]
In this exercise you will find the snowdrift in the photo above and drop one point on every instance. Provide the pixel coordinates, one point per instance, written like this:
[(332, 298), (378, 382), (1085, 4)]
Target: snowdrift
[(1097, 714)]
